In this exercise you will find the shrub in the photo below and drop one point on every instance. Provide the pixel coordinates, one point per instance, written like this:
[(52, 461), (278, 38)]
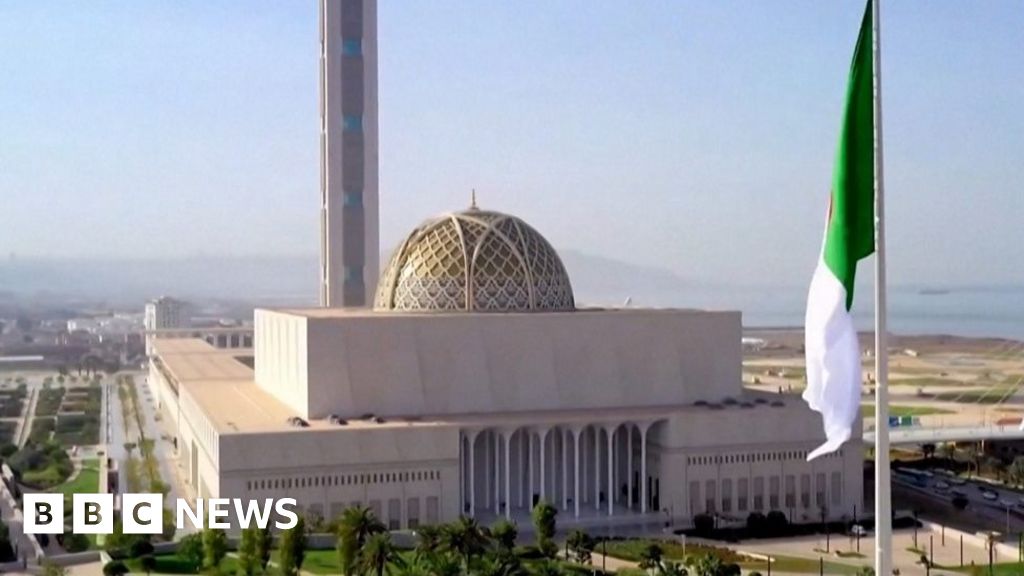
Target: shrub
[(703, 524), (140, 548), (114, 568)]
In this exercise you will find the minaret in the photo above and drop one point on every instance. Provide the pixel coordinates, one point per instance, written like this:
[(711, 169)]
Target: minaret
[(349, 217)]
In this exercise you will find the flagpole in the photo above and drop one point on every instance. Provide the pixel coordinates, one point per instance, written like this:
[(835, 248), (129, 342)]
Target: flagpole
[(883, 496)]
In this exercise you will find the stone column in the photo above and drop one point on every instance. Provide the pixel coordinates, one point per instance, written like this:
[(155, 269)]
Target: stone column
[(643, 467), (629, 465), (543, 436), (529, 450), (576, 477), (611, 469), (497, 472), (565, 471), (472, 472), (597, 468), (486, 438), (508, 493)]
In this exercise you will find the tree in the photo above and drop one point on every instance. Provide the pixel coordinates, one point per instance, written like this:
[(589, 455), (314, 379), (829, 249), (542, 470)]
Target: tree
[(377, 553), (581, 546), (51, 569), (928, 451), (948, 450), (140, 548), (776, 520), (293, 549), (703, 524), (1016, 470), (706, 565), (543, 517), (547, 567), (114, 568), (428, 540), (650, 556), (190, 549), (672, 569), (356, 525), (215, 547), (148, 563), (756, 522), (248, 563), (505, 534), (264, 542), (466, 538)]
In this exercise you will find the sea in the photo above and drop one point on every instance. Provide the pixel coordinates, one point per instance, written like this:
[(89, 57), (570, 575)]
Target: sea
[(981, 311)]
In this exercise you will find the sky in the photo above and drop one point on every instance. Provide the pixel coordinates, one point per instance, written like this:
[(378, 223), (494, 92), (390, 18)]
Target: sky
[(694, 136)]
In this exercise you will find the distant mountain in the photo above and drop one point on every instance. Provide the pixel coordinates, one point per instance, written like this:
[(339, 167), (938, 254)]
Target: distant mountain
[(281, 280)]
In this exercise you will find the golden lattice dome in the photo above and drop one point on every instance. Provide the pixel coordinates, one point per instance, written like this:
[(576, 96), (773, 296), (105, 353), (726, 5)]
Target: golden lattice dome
[(475, 260)]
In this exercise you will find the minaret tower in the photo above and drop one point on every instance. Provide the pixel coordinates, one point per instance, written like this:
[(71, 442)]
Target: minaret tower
[(349, 210)]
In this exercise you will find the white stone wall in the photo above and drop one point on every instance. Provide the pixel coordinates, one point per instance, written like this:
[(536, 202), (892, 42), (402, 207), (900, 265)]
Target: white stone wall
[(435, 364)]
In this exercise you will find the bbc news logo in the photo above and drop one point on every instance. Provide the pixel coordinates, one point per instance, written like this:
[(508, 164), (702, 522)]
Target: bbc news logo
[(143, 513)]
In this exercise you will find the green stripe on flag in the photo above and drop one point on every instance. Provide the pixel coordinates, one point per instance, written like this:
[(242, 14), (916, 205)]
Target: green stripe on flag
[(851, 227)]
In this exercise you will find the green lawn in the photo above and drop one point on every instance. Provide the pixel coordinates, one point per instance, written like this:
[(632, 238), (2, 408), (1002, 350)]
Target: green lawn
[(174, 564), (989, 396), (671, 550), (317, 561), (88, 480), (868, 410), (795, 565), (928, 382), (1007, 569)]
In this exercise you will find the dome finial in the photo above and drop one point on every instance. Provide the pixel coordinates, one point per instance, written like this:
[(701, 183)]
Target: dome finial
[(472, 200)]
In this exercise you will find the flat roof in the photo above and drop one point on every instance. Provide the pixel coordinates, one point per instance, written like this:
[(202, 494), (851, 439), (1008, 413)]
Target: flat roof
[(189, 359), (226, 392), (370, 313)]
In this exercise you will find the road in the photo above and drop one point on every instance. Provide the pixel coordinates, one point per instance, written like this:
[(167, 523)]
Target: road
[(1004, 514)]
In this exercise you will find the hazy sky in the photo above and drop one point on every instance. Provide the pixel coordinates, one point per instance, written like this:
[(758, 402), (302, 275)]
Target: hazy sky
[(693, 135)]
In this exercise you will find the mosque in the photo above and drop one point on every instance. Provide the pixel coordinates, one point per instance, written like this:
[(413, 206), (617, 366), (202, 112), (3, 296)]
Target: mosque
[(466, 379), (476, 385)]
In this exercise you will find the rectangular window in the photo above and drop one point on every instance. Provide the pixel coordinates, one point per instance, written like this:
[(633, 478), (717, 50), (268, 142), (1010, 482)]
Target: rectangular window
[(710, 496), (412, 510), (773, 493), (790, 491), (432, 516), (394, 514), (352, 198), (352, 46), (741, 495), (727, 495), (694, 497), (352, 123), (354, 275), (837, 488), (819, 496), (805, 491), (759, 493)]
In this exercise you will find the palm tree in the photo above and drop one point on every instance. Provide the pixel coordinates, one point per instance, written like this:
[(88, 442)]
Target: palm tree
[(428, 540), (356, 526), (377, 554), (505, 534), (672, 569), (650, 556), (581, 545), (706, 565), (466, 538)]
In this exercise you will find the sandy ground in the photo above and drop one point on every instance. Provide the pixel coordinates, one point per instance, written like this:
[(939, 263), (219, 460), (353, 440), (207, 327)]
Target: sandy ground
[(974, 380)]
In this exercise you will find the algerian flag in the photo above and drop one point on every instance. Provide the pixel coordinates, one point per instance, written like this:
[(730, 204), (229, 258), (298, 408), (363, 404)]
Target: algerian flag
[(833, 355)]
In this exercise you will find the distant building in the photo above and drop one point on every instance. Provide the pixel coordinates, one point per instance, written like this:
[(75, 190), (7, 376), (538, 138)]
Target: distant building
[(163, 313)]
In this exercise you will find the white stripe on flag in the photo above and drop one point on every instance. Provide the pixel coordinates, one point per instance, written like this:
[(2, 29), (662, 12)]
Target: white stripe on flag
[(833, 360)]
